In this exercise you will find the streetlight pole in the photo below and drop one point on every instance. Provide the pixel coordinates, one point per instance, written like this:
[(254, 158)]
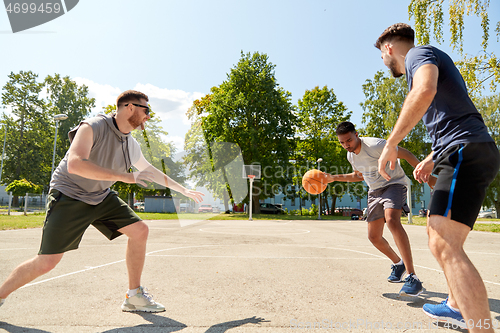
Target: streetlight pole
[(319, 195), (3, 151), (57, 117)]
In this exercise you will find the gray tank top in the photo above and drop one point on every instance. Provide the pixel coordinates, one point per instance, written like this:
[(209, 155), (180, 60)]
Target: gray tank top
[(111, 149)]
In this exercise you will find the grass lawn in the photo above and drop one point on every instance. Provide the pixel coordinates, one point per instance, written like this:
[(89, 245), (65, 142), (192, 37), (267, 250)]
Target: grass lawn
[(36, 220)]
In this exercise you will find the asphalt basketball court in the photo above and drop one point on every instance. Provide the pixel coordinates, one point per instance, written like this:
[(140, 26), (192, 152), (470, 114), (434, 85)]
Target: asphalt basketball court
[(237, 276)]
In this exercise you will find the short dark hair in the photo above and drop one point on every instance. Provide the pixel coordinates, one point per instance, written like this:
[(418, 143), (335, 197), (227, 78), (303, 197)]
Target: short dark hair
[(345, 127), (130, 96), (398, 31)]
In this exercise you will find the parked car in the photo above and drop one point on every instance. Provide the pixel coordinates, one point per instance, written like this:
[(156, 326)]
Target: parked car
[(356, 214), (216, 209), (139, 206), (422, 212), (267, 208), (185, 208), (205, 208), (487, 214)]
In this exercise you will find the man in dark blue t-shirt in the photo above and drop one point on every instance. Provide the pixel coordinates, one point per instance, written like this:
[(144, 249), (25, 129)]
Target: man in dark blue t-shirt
[(464, 157)]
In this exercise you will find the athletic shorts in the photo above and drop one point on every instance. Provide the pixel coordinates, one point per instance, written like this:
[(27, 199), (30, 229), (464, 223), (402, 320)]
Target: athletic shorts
[(464, 172), (392, 196), (68, 218)]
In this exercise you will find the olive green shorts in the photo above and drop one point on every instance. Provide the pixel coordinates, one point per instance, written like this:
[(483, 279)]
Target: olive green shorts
[(68, 218)]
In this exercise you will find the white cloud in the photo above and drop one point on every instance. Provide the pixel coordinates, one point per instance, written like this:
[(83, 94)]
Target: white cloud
[(104, 94), (169, 104)]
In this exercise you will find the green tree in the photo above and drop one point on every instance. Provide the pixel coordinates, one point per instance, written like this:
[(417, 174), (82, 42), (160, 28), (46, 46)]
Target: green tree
[(22, 186), (319, 112), (489, 106), (384, 98), (66, 96), (250, 110), (28, 150), (429, 21)]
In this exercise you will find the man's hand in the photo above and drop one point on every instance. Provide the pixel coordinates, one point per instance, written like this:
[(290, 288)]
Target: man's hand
[(389, 154), (328, 178), (432, 182), (423, 170), (195, 195)]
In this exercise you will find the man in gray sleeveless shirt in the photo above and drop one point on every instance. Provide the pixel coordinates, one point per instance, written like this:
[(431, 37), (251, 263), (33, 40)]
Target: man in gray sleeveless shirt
[(101, 153)]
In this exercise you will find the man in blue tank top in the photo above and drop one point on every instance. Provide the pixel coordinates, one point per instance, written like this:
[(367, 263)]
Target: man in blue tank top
[(464, 157)]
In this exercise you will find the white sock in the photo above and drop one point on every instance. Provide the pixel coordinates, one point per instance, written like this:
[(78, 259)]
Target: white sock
[(132, 292), (415, 277), (454, 309), (400, 262)]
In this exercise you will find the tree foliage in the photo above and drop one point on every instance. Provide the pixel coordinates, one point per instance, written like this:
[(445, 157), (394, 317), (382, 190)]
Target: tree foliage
[(66, 96), (28, 153), (253, 112), (30, 126), (319, 112), (429, 22), (489, 106), (22, 186)]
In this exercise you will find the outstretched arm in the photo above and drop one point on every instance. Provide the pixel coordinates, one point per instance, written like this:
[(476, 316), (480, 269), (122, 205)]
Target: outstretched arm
[(160, 178), (355, 176)]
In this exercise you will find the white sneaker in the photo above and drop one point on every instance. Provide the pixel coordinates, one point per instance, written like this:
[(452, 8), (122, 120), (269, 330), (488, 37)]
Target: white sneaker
[(142, 301)]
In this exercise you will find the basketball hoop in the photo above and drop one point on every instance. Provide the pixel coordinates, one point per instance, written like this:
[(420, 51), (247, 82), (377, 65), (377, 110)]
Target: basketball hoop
[(251, 177)]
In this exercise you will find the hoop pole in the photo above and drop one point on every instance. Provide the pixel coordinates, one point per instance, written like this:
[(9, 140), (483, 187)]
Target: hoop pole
[(251, 177)]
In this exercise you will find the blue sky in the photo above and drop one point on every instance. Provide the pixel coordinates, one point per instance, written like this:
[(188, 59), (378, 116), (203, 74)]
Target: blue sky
[(175, 51)]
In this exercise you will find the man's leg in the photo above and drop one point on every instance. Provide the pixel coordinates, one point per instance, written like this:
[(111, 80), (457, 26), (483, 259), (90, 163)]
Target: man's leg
[(467, 290), (375, 232), (393, 220), (28, 271), (137, 234)]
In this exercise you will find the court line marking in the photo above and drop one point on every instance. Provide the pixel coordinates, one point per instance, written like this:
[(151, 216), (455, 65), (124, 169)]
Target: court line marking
[(201, 246), (263, 232)]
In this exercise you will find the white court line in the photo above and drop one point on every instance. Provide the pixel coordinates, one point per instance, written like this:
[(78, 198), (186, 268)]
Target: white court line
[(245, 257), (198, 246), (264, 232), (20, 248)]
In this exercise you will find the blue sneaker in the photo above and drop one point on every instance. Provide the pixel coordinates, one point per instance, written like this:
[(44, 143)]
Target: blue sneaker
[(412, 286), (442, 312), (397, 273)]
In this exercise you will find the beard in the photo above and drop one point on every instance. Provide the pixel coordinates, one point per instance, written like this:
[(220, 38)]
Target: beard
[(392, 68), (136, 121)]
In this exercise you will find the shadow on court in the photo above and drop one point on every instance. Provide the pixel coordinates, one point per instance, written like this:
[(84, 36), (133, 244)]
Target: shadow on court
[(168, 325), (19, 329), (165, 324)]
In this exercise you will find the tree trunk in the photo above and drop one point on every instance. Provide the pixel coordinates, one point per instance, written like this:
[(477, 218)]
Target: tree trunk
[(334, 203), (226, 202)]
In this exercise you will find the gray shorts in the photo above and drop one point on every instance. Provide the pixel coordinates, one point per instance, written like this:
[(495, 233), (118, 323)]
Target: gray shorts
[(392, 196)]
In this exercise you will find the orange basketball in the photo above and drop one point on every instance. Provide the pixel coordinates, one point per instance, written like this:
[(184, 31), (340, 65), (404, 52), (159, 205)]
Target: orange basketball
[(313, 181)]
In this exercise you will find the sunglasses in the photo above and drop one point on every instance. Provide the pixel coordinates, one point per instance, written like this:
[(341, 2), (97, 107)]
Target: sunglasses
[(141, 106)]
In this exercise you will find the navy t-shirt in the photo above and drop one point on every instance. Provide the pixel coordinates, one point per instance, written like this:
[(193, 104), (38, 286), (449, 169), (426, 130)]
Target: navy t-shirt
[(451, 118)]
